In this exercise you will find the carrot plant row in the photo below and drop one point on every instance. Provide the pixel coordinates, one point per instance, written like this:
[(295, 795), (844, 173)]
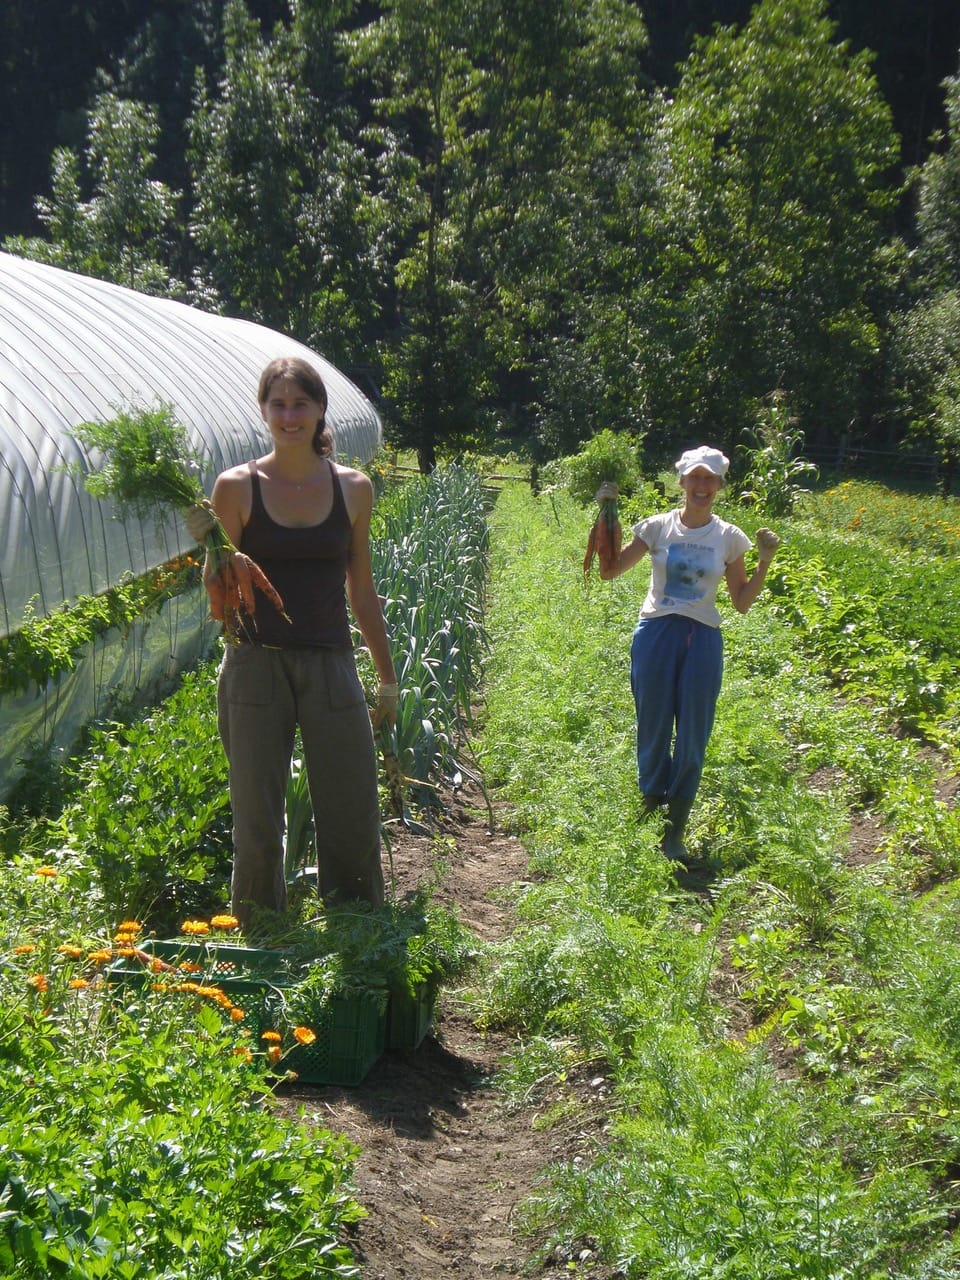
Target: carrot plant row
[(776, 1029)]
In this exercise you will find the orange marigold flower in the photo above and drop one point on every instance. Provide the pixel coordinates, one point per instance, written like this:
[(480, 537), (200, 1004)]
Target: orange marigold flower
[(49, 873), (71, 952), (129, 926), (304, 1035), (78, 984), (225, 922), (237, 1014), (38, 981), (25, 949), (126, 952), (275, 1036), (242, 1051), (274, 1053), (188, 966), (100, 957), (195, 926)]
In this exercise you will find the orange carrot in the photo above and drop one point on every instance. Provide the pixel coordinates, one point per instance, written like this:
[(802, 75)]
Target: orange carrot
[(603, 540), (591, 549), (606, 538), (612, 540), (263, 583), (217, 591), (240, 564)]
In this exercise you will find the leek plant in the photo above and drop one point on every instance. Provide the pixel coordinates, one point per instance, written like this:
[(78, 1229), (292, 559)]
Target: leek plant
[(429, 549)]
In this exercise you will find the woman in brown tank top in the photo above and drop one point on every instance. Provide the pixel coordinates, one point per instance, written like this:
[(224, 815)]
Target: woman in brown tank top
[(306, 521)]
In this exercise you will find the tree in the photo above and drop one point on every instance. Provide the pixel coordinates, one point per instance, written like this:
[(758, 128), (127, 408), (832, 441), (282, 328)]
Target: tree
[(124, 231), (928, 334), (505, 112), (774, 165), (284, 229)]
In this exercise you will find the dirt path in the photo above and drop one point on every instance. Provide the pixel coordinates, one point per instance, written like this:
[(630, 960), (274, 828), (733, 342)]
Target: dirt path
[(443, 1164)]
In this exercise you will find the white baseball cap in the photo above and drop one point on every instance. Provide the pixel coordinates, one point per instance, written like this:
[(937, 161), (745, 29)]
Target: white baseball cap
[(711, 459)]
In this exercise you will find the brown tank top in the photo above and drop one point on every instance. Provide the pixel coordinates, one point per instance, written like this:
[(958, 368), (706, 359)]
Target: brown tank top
[(308, 567)]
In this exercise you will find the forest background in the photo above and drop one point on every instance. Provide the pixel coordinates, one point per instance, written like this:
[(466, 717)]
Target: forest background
[(515, 222)]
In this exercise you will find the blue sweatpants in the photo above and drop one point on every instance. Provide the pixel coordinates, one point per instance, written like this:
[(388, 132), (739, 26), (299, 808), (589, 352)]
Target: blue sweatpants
[(676, 666)]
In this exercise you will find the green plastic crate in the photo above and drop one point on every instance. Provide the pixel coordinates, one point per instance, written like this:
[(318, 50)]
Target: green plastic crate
[(259, 999), (351, 1033), (220, 959), (410, 1016)]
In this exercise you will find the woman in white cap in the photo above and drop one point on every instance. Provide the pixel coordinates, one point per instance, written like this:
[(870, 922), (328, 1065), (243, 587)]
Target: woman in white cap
[(677, 652)]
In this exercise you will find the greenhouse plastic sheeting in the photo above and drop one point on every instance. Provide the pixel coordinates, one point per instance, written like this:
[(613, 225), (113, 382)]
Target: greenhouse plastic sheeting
[(72, 350)]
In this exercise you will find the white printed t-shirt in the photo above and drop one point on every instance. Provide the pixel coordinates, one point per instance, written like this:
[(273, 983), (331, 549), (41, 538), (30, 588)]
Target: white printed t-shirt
[(686, 565)]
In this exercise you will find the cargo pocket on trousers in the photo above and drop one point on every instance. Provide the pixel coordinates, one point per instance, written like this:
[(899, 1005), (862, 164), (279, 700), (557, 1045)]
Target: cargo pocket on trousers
[(343, 684), (246, 676)]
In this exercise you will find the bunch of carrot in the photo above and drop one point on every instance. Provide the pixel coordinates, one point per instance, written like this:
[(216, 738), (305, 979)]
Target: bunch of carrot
[(605, 537), (146, 467), (233, 580)]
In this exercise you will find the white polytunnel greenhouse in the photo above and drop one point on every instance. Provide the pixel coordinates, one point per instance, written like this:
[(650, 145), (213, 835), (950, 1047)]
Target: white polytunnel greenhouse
[(75, 350)]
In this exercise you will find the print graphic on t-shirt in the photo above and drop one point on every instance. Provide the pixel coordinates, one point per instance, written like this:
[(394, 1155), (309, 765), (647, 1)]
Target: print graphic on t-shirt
[(688, 570)]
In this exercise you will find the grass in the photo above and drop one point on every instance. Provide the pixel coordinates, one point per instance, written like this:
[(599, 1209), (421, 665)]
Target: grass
[(782, 1048)]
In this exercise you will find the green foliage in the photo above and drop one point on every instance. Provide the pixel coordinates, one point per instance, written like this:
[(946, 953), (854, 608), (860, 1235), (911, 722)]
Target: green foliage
[(768, 228), (151, 817), (142, 1145), (43, 648), (608, 455), (289, 229), (772, 480), (429, 543), (759, 1016), (120, 233), (393, 949), (147, 463)]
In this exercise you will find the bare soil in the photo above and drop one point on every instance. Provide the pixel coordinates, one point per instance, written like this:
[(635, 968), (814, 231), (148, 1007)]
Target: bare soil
[(444, 1163)]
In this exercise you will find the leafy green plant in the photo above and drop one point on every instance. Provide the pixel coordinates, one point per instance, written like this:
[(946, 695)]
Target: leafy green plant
[(698, 1046), (773, 467), (429, 552), (152, 814), (44, 647), (146, 467), (152, 1150), (608, 455), (396, 947)]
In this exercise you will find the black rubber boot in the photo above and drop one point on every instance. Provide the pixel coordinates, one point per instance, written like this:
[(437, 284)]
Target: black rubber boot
[(653, 804), (678, 811)]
